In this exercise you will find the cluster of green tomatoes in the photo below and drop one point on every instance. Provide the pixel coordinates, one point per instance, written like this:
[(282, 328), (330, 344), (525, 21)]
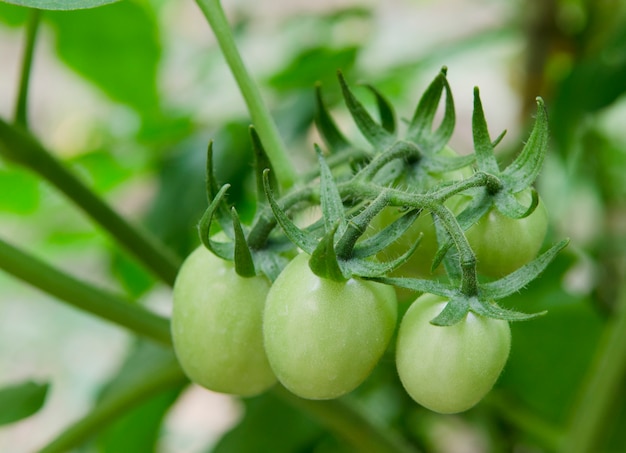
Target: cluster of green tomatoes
[(315, 307)]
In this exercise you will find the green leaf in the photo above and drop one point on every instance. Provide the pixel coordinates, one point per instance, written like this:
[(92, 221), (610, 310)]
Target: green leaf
[(61, 5), (270, 425), (492, 310), (21, 400), (145, 420), (117, 48), (20, 191)]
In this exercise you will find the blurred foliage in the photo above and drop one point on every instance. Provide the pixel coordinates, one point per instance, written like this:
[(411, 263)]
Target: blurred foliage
[(575, 57)]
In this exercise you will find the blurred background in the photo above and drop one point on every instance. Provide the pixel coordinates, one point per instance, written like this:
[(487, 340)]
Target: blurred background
[(129, 94)]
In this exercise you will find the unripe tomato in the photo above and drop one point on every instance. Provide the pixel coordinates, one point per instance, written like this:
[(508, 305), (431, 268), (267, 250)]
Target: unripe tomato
[(449, 369), (217, 326), (503, 244), (323, 337)]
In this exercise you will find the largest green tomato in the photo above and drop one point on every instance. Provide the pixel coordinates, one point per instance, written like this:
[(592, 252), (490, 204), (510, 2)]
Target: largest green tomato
[(217, 326), (323, 337), (449, 369)]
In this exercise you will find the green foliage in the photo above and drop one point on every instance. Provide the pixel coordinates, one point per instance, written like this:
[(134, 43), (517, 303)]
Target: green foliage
[(21, 400)]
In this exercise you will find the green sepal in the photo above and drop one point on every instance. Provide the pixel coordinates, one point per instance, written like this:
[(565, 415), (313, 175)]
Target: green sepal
[(518, 279), (420, 285), (508, 205), (420, 128), (373, 132), (221, 212), (400, 151), (523, 171), (483, 146), (323, 261), (300, 238), (244, 265), (270, 263), (492, 310), (332, 136), (371, 268), (390, 234), (385, 110), (455, 310), (330, 199), (261, 162), (440, 164), (224, 250)]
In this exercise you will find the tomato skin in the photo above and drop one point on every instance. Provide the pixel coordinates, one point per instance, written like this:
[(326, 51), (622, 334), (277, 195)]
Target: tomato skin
[(323, 337), (502, 244), (217, 326), (449, 369)]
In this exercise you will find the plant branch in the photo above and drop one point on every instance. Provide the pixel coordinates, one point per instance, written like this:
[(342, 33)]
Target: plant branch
[(263, 122), (82, 295), (18, 146), (592, 413), (349, 423), (21, 104), (152, 383)]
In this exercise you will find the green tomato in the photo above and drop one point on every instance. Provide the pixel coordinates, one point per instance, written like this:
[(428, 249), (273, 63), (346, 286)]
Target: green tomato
[(217, 326), (449, 369), (503, 244), (323, 337)]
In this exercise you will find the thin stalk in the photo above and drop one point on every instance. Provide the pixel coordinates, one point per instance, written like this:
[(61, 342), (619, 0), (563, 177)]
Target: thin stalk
[(261, 117), (349, 423), (82, 295), (21, 105), (19, 147), (168, 376), (592, 413)]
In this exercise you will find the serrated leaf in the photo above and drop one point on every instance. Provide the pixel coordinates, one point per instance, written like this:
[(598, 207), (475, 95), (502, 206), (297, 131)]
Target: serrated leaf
[(300, 238), (378, 136), (517, 280), (21, 400), (421, 126), (61, 5), (455, 310), (332, 206), (483, 146), (244, 265), (334, 139), (323, 261), (526, 167)]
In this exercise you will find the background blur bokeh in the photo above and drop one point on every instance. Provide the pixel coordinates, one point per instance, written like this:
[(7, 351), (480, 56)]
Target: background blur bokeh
[(128, 95)]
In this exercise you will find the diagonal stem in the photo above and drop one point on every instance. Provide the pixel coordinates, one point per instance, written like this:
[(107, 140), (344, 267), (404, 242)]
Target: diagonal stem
[(21, 104)]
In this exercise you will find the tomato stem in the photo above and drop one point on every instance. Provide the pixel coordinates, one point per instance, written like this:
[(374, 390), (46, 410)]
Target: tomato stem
[(21, 105), (83, 296), (261, 117)]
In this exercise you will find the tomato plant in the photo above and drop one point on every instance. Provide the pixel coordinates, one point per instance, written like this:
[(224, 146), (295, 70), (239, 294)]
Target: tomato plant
[(449, 369), (216, 326), (323, 337), (503, 244)]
